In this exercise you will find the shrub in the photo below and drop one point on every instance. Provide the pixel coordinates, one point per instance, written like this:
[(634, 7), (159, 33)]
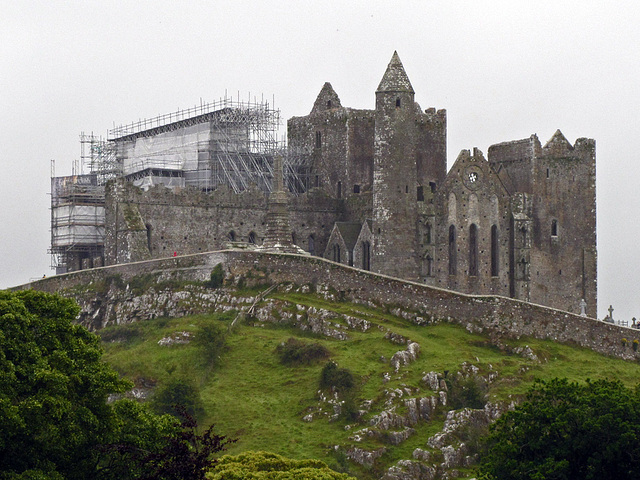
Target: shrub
[(211, 340), (270, 466), (217, 277), (468, 392), (177, 392), (339, 379), (295, 352)]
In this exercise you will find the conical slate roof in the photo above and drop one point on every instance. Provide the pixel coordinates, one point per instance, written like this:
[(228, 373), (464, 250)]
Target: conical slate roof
[(395, 79)]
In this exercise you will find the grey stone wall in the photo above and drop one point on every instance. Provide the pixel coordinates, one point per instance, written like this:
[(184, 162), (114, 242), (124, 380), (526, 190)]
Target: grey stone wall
[(483, 203), (160, 222), (493, 315)]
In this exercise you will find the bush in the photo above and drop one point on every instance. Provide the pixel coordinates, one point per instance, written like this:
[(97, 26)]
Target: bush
[(269, 466), (467, 392), (211, 339), (339, 379), (217, 277), (175, 393), (295, 352)]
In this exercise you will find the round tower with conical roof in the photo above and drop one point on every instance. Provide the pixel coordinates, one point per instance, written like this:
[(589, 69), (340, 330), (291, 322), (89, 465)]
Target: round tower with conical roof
[(395, 175)]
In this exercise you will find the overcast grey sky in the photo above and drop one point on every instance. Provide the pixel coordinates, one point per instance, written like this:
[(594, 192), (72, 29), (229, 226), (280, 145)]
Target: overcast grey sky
[(502, 69)]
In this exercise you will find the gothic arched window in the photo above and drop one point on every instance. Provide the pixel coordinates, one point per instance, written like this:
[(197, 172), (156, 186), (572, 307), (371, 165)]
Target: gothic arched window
[(473, 250), (494, 251), (452, 250), (312, 245), (366, 256)]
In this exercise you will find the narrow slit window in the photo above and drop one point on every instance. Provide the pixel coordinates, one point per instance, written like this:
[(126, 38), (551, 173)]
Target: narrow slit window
[(398, 102), (452, 250), (312, 245), (494, 251), (336, 253), (318, 139), (473, 250), (554, 228), (366, 256)]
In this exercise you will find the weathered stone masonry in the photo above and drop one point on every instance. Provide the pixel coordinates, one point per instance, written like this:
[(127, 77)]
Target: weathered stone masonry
[(493, 315), (520, 223)]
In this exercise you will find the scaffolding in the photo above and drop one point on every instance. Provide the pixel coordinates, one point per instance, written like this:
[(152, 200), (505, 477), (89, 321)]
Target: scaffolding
[(77, 222), (228, 143), (98, 156)]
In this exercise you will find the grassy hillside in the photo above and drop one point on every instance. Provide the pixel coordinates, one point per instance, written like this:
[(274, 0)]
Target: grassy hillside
[(249, 394)]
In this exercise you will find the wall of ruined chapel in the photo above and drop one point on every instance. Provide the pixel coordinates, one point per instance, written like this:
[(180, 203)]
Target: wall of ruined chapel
[(431, 159), (493, 315), (515, 160), (341, 143), (160, 222), (461, 204)]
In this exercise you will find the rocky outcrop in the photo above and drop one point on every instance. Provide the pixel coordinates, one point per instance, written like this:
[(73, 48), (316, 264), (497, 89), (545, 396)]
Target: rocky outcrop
[(405, 357), (411, 470), (364, 457)]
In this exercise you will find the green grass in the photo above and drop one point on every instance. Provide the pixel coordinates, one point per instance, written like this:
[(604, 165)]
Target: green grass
[(250, 395)]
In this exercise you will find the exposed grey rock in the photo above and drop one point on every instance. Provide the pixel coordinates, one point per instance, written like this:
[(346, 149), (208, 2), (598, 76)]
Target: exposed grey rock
[(431, 380), (396, 438), (396, 338), (526, 352), (176, 338), (410, 470), (365, 457), (404, 357)]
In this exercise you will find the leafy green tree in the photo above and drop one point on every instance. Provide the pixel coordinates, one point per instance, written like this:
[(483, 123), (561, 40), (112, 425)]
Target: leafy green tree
[(269, 466), (211, 340), (175, 394), (568, 431), (185, 455), (55, 421)]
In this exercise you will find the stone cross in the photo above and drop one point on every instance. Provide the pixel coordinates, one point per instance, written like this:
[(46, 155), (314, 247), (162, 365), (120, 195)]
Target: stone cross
[(610, 312), (583, 308)]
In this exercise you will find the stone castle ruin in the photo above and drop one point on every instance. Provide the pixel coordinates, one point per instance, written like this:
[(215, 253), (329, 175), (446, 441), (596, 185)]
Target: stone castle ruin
[(365, 188)]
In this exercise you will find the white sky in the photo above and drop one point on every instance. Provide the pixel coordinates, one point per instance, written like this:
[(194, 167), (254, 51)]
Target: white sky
[(502, 69)]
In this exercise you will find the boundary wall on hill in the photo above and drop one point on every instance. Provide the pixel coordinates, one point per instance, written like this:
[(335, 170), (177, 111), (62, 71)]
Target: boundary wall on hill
[(493, 315)]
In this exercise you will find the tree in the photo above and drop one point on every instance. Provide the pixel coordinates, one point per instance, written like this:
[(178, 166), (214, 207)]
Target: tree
[(177, 394), (55, 420), (568, 431), (185, 455), (270, 466)]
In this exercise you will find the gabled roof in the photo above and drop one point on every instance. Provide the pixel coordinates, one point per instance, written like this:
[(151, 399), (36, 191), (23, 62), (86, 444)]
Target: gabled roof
[(327, 99), (395, 79), (558, 136), (474, 159), (349, 231)]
